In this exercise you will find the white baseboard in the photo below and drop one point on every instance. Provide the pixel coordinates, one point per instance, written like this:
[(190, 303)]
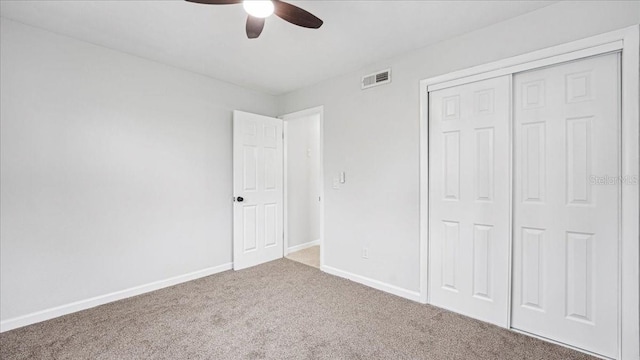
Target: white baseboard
[(303, 246), (379, 285), (57, 311)]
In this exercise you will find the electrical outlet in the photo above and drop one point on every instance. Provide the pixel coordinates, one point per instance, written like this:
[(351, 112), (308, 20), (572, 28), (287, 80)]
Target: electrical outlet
[(365, 253)]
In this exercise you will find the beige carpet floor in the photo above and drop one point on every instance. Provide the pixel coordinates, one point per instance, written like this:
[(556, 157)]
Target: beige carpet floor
[(309, 256), (279, 310)]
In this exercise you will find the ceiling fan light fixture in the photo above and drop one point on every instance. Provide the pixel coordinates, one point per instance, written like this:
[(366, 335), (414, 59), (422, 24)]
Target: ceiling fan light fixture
[(258, 8)]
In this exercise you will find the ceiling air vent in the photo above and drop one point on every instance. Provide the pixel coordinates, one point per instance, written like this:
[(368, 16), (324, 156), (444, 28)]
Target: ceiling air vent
[(375, 79)]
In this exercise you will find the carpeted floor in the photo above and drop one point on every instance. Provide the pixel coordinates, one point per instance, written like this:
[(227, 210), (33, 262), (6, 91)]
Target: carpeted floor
[(279, 310), (309, 256)]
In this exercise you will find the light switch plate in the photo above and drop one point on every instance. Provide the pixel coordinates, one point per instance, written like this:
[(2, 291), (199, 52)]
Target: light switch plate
[(336, 183)]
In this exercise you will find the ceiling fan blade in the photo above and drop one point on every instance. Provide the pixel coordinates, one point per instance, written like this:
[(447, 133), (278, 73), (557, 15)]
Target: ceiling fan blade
[(254, 26), (295, 15), (216, 2)]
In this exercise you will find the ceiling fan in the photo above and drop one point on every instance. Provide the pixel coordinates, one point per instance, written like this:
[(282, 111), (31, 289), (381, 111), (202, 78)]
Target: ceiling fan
[(259, 10)]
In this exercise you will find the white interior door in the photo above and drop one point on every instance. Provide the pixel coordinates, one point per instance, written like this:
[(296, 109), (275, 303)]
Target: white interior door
[(469, 215), (566, 203), (257, 186)]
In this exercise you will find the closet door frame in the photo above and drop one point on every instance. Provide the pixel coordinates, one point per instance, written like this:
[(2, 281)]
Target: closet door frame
[(627, 42)]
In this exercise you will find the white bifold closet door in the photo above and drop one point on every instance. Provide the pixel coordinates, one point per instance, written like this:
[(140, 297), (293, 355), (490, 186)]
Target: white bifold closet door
[(469, 187), (566, 203)]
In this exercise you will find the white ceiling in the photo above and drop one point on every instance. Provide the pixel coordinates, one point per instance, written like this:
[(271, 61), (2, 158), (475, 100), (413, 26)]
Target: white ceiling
[(211, 40)]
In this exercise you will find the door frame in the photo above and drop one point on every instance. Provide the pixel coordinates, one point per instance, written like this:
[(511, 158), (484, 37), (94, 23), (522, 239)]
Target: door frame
[(626, 41), (318, 110)]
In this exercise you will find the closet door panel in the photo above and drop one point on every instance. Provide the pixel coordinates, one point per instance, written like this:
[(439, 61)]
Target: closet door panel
[(469, 199), (566, 212)]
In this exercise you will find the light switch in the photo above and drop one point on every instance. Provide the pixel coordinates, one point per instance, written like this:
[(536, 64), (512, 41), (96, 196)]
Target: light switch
[(343, 178)]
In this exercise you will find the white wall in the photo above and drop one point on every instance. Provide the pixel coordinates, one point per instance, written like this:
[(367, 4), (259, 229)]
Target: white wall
[(115, 171), (373, 134), (302, 179)]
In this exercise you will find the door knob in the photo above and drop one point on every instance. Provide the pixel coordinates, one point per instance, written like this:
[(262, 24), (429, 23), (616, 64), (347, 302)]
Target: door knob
[(239, 199)]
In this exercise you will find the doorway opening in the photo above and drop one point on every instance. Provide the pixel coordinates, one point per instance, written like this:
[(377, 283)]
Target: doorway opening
[(303, 187)]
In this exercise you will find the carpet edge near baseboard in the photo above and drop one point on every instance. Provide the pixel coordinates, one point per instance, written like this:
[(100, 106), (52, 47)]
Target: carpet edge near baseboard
[(376, 284), (76, 306)]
